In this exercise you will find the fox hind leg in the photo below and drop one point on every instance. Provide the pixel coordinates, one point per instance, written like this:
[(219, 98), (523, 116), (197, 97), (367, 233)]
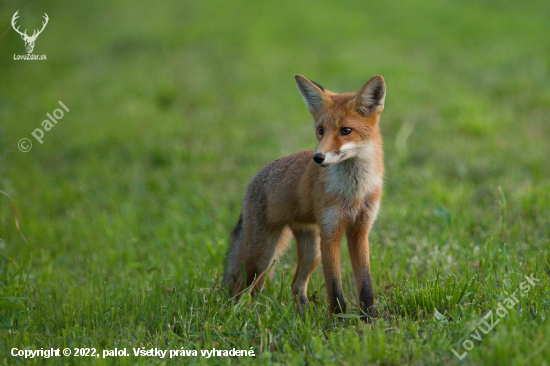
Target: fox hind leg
[(309, 257), (259, 256)]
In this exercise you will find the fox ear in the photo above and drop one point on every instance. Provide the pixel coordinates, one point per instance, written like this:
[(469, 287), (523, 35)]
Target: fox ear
[(370, 99), (312, 93)]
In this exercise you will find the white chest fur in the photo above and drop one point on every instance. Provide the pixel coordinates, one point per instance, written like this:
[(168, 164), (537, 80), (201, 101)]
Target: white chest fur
[(356, 177)]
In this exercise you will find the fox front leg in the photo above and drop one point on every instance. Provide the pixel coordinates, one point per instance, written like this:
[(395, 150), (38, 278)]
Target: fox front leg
[(358, 245), (330, 256)]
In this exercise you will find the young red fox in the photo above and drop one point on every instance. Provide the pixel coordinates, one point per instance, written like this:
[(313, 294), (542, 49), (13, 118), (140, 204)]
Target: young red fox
[(317, 196)]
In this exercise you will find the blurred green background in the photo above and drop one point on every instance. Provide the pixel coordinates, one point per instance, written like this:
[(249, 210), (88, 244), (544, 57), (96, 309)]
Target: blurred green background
[(174, 105)]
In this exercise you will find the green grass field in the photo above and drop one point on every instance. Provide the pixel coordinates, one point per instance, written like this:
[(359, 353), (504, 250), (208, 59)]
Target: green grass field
[(128, 203)]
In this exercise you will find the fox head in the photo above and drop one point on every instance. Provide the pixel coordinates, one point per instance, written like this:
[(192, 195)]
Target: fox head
[(346, 124)]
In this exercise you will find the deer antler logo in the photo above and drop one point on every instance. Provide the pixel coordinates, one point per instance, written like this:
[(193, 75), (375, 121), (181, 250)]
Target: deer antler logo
[(29, 41)]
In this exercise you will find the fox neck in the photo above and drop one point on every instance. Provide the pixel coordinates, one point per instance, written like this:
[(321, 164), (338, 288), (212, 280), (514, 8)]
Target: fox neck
[(355, 178)]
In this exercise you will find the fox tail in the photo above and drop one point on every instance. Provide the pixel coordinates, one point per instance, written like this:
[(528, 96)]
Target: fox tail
[(233, 258)]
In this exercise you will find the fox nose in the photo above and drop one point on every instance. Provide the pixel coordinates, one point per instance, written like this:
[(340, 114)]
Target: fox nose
[(318, 158)]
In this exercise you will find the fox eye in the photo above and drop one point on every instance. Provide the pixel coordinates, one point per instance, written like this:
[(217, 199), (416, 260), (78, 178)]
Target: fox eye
[(320, 130), (345, 131)]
